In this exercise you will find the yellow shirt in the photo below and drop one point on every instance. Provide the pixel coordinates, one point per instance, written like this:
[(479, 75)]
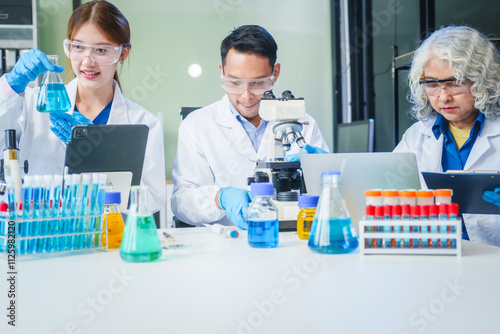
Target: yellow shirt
[(459, 135)]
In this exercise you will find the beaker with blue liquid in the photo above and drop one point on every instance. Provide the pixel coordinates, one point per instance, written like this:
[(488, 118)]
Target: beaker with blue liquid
[(263, 225), (53, 96), (332, 230)]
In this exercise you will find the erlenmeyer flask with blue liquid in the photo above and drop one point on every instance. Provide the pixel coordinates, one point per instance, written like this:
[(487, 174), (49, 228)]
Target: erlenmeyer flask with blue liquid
[(52, 96), (332, 231)]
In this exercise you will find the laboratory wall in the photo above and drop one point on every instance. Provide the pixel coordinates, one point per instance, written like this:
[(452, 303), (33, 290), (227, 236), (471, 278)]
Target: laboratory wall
[(169, 36)]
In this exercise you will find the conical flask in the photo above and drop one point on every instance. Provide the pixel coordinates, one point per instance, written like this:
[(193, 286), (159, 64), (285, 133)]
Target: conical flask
[(332, 231), (140, 241), (52, 96)]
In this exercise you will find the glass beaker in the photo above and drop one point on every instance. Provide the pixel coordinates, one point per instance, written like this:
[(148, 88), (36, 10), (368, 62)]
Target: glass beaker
[(332, 231), (52, 96), (140, 241)]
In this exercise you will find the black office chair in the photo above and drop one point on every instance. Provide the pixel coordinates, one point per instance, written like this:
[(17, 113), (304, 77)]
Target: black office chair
[(185, 111)]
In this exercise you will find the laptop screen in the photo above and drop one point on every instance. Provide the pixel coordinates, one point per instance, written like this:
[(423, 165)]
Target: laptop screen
[(359, 172)]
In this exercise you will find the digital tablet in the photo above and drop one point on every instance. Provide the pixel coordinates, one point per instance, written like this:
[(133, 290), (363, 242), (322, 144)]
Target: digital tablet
[(107, 148), (468, 189)]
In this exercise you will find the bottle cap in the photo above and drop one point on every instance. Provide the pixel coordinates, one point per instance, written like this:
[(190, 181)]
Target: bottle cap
[(443, 192), (433, 209), (396, 210), (373, 193), (407, 193), (390, 193), (308, 201), (4, 207), (113, 197), (330, 173), (425, 193), (262, 189)]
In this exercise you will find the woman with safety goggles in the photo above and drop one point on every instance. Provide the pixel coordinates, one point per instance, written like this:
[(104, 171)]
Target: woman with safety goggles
[(455, 91), (97, 39)]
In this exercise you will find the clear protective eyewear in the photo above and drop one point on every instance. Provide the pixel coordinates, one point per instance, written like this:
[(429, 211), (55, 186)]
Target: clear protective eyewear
[(100, 55), (452, 86), (239, 86)]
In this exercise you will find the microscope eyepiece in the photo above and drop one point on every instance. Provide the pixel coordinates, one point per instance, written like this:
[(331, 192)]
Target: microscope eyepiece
[(287, 95), (10, 139), (268, 95)]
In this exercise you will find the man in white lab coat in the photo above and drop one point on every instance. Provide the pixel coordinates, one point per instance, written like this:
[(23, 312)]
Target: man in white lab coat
[(456, 99), (218, 145)]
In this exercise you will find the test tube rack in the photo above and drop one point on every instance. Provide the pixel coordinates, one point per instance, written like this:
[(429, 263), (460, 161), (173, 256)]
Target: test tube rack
[(419, 243), (69, 236)]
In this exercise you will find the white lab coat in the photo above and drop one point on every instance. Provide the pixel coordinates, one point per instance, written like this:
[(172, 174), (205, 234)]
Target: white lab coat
[(45, 152), (214, 151), (485, 155)]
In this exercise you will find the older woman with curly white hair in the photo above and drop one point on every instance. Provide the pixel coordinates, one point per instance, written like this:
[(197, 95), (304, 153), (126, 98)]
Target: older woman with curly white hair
[(455, 92)]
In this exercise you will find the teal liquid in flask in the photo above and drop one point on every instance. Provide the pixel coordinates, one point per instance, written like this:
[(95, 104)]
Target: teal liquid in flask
[(140, 241), (52, 96), (332, 231)]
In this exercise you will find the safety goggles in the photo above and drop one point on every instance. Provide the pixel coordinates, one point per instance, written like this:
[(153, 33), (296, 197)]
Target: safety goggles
[(452, 86), (100, 55), (239, 86)]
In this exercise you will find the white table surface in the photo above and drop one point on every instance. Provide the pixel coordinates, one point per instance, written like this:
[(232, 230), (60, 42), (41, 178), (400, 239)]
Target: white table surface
[(225, 286)]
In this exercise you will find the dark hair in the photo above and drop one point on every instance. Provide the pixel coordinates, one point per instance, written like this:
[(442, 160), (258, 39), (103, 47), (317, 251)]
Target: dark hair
[(252, 39), (108, 19)]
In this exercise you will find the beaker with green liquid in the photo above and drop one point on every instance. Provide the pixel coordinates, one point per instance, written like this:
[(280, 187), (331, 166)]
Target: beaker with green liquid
[(140, 242)]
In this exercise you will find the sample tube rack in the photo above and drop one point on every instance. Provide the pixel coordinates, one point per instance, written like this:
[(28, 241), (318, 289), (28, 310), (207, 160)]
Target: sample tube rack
[(373, 239), (30, 239)]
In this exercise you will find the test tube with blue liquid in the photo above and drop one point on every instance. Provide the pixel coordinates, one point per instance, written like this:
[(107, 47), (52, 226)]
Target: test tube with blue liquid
[(4, 209), (33, 226), (52, 96), (43, 225), (55, 225), (396, 216), (443, 215), (433, 216), (405, 216), (453, 216), (66, 212), (24, 227), (373, 198), (390, 197), (12, 208), (82, 211), (424, 216)]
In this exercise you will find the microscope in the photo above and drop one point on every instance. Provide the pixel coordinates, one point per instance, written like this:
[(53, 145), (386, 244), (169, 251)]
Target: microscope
[(9, 165), (286, 176)]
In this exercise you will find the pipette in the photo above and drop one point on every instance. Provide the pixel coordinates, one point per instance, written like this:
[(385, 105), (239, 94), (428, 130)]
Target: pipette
[(225, 231)]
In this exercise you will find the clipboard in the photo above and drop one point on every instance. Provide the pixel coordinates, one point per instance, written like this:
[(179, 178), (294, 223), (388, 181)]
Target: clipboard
[(468, 188), (107, 148)]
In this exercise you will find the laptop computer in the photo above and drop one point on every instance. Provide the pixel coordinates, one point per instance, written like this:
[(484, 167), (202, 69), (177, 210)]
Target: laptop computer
[(359, 172)]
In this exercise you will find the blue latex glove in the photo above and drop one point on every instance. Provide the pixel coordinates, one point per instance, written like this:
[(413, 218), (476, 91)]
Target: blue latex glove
[(28, 67), (492, 196), (63, 123), (309, 150), (235, 201)]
